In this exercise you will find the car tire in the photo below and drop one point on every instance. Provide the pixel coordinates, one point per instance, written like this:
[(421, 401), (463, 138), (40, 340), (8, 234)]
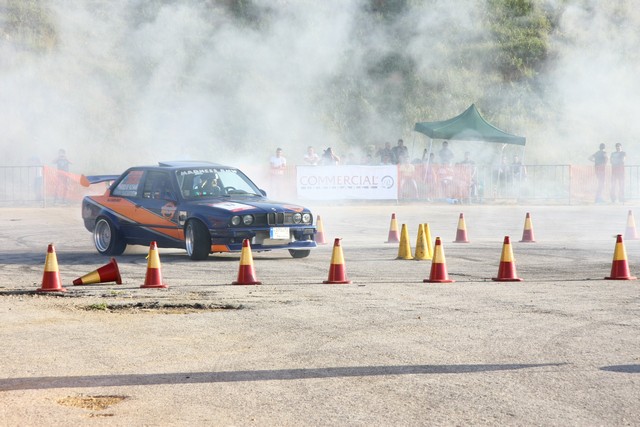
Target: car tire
[(197, 240), (107, 239), (299, 254)]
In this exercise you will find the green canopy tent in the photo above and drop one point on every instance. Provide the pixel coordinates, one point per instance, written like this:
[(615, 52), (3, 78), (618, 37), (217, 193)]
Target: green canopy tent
[(468, 126)]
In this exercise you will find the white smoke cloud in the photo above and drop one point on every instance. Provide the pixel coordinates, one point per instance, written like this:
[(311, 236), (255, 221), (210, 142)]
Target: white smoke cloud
[(122, 83)]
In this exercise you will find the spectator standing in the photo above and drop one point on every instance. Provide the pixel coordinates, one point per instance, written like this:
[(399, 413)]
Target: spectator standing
[(599, 158), (445, 154), (470, 172), (387, 157), (400, 152), (62, 177), (518, 175), (278, 164), (329, 157), (617, 174), (408, 185), (430, 177), (311, 158)]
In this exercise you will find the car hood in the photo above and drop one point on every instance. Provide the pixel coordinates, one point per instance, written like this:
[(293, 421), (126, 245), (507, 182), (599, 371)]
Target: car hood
[(251, 206)]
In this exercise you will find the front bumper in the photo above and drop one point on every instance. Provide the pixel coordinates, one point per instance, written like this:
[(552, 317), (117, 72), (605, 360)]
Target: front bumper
[(230, 240)]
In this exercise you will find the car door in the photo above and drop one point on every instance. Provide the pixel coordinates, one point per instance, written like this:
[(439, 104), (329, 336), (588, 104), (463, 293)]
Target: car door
[(156, 217)]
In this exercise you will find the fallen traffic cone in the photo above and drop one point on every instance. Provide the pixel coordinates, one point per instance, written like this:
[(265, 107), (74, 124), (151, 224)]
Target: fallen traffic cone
[(527, 233), (153, 278), (404, 248), (51, 278), (320, 232), (630, 232), (246, 272), (619, 266), (337, 270), (461, 233), (507, 268), (394, 237), (107, 273), (427, 235), (438, 266), (422, 251)]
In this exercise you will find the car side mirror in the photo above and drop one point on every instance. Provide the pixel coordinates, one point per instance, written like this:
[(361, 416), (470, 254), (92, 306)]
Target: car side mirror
[(264, 193)]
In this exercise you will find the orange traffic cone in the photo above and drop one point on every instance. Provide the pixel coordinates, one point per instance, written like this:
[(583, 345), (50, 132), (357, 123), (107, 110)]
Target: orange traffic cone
[(527, 233), (153, 278), (461, 233), (107, 273), (320, 232), (438, 266), (619, 266), (507, 269), (337, 270), (246, 272), (630, 232), (394, 237), (51, 278)]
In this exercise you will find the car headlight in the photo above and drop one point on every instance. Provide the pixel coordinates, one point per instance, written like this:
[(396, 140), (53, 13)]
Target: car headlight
[(235, 220), (247, 219), (306, 218), (297, 217)]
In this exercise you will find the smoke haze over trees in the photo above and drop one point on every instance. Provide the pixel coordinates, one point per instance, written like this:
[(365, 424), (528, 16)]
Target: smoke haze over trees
[(146, 80)]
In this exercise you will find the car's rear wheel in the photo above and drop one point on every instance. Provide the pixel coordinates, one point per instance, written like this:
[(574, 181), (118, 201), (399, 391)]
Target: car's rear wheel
[(197, 240), (107, 239), (299, 254)]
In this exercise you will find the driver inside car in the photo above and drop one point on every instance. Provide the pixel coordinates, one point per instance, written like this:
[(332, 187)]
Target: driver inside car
[(209, 185)]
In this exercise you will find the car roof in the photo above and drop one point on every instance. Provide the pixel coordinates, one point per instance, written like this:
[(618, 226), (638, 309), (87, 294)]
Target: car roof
[(188, 164)]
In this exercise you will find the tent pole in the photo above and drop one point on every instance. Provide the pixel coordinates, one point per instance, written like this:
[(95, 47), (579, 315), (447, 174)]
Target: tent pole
[(413, 143)]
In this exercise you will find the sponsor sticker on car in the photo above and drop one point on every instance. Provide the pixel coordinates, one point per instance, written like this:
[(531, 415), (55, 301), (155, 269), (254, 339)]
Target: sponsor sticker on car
[(232, 207)]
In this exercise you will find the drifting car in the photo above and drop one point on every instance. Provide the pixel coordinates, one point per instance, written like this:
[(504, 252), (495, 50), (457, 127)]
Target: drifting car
[(198, 206)]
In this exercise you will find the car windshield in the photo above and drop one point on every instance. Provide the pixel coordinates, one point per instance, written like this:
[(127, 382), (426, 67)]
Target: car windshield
[(198, 183)]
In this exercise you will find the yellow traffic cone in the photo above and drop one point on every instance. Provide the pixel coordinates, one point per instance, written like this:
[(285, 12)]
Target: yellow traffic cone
[(422, 252), (404, 249), (427, 236)]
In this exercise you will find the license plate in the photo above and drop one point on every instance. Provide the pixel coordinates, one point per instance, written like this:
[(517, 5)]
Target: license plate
[(279, 232)]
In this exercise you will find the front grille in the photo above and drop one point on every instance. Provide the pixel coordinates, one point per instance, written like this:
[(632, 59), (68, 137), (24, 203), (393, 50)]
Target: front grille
[(277, 218)]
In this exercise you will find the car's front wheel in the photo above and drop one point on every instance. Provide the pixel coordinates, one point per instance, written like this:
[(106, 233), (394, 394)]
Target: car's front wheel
[(299, 254), (197, 240), (107, 239)]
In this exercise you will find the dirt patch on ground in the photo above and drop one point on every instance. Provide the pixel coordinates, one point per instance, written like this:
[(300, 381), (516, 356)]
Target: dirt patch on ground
[(157, 307), (93, 403)]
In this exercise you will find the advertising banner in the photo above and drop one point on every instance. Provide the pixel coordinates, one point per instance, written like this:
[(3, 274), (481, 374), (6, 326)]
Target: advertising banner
[(348, 182)]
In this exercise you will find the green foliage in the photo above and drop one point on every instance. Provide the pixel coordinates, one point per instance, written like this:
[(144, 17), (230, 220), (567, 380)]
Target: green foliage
[(98, 307), (520, 31), (28, 23)]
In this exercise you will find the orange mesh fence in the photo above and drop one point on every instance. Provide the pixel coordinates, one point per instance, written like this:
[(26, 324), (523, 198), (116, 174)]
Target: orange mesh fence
[(459, 183)]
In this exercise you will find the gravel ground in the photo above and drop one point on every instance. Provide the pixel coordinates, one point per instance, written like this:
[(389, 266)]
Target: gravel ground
[(559, 348)]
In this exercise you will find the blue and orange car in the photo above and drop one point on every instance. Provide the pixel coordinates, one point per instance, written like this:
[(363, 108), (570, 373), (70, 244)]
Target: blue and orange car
[(198, 206)]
